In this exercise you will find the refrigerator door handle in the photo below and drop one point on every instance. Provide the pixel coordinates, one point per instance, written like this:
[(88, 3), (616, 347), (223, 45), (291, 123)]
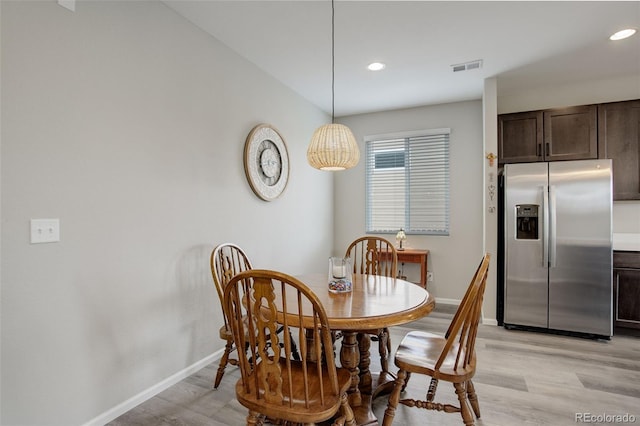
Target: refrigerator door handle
[(552, 226), (545, 226)]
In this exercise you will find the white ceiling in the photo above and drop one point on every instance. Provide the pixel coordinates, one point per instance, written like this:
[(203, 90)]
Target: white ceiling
[(523, 44)]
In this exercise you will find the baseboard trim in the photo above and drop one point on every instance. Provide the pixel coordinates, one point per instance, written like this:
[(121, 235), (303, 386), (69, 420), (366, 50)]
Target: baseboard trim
[(489, 321), (485, 321), (447, 301), (146, 394)]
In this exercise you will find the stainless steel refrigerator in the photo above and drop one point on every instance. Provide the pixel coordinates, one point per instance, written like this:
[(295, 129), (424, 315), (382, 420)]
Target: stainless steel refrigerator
[(558, 256)]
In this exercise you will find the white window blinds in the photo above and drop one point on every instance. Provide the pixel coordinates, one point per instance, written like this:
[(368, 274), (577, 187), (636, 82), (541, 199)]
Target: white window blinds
[(407, 182)]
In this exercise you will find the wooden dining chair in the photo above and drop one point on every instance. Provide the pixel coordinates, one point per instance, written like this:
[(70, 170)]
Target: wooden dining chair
[(227, 260), (375, 256), (273, 385), (451, 357)]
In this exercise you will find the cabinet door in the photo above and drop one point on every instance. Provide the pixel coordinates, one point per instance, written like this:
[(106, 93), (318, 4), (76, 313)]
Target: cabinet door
[(627, 282), (520, 137), (571, 133), (619, 140)]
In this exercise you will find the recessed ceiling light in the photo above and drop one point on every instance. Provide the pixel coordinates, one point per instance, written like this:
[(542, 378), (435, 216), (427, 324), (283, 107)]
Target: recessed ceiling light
[(623, 34), (376, 66)]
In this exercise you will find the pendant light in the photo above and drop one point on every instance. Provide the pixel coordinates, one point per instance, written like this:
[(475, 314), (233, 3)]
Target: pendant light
[(333, 146)]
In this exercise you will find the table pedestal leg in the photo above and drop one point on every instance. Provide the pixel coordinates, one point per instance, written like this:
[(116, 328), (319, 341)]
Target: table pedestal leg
[(364, 344), (354, 356), (373, 384), (350, 358)]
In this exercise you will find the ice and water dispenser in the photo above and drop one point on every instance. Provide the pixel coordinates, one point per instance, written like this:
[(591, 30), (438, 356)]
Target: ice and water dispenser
[(527, 221)]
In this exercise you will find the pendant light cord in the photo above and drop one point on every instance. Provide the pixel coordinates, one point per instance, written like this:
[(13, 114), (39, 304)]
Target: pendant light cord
[(333, 64)]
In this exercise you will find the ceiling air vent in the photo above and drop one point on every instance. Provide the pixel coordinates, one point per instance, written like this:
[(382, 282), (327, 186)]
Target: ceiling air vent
[(473, 65)]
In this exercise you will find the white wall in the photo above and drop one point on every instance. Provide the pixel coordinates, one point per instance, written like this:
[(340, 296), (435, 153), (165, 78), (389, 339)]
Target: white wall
[(626, 217), (491, 206), (128, 123), (453, 258), (621, 88)]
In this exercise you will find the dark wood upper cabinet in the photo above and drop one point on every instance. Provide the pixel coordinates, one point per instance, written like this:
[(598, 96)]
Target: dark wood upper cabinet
[(619, 140), (549, 135), (571, 133), (610, 130), (520, 137)]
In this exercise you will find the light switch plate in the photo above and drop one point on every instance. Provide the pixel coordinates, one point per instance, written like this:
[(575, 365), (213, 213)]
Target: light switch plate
[(45, 231)]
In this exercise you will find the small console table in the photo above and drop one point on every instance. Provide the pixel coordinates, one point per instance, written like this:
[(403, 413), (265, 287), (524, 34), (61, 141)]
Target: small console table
[(410, 255)]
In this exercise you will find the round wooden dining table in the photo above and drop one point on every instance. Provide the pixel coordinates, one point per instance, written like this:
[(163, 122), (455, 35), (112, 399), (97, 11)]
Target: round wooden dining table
[(374, 302)]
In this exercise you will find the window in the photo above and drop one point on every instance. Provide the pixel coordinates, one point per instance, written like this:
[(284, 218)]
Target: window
[(407, 182)]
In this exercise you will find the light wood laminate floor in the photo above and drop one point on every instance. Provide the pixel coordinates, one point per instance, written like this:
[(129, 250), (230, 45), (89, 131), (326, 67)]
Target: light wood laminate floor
[(522, 378)]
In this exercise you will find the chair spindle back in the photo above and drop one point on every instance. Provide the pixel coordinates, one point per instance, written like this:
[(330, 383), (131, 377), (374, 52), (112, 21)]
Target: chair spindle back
[(267, 368), (463, 329), (373, 255), (227, 260)]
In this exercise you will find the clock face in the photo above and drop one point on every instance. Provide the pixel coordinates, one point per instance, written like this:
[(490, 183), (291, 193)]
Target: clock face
[(266, 162), (270, 162)]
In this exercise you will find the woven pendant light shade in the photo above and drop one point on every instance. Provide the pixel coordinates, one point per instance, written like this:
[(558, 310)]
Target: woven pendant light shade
[(333, 147)]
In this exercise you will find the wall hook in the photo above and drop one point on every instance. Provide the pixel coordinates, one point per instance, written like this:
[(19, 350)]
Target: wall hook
[(491, 157)]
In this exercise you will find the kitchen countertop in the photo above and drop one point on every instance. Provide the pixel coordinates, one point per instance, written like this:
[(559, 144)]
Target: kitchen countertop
[(626, 242)]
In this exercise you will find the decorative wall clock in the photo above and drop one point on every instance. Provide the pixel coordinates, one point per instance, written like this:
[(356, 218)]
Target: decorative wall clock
[(266, 162)]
